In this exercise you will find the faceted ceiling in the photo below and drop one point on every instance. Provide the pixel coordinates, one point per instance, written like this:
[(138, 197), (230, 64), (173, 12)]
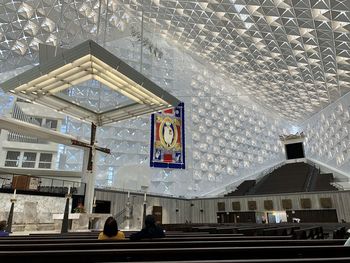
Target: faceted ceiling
[(291, 56)]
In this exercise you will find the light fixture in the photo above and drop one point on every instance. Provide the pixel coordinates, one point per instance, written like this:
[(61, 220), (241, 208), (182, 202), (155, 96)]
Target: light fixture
[(89, 61)]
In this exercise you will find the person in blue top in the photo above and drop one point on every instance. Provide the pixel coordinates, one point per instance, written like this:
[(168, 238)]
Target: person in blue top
[(3, 232), (151, 230)]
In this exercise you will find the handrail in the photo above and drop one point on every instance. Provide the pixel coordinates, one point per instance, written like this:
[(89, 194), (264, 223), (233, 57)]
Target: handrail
[(120, 214), (309, 185), (44, 185)]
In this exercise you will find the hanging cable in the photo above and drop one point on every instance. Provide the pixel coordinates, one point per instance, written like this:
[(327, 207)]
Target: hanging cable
[(58, 29), (106, 24), (98, 20), (97, 38), (141, 43)]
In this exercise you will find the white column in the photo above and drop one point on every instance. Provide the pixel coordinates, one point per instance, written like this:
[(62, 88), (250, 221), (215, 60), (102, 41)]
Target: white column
[(128, 212), (89, 177)]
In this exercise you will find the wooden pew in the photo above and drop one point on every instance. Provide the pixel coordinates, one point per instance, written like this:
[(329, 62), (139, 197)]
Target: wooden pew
[(226, 230), (203, 229), (21, 240), (169, 235), (288, 260), (253, 231), (280, 231), (309, 233), (154, 244), (176, 254)]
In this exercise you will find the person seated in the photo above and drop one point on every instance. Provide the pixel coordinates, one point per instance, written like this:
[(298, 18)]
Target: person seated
[(110, 230), (3, 232), (151, 230)]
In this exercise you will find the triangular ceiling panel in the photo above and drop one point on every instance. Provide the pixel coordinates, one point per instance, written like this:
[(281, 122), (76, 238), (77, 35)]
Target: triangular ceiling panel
[(265, 45)]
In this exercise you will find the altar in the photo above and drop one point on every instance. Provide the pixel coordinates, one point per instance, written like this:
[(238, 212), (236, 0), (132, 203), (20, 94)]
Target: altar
[(81, 221)]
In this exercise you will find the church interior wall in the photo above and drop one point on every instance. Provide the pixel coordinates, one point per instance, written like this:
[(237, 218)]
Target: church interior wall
[(37, 211), (227, 136), (31, 210), (203, 210), (328, 135)]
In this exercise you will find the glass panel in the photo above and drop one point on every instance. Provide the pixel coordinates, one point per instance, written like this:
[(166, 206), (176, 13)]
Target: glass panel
[(29, 160), (12, 159), (45, 160), (51, 124), (95, 96), (46, 157)]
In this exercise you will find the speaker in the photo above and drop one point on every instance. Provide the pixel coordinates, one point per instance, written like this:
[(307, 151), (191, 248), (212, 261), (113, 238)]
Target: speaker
[(236, 206), (287, 204), (251, 205), (221, 206), (305, 203)]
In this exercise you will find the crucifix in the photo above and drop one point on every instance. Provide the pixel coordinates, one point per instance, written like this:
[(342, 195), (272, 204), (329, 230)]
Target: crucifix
[(89, 167)]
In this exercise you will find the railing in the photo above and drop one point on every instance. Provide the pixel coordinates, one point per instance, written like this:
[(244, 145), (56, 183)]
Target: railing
[(39, 185), (263, 177), (339, 176), (256, 176), (120, 215), (18, 114), (310, 183), (338, 186)]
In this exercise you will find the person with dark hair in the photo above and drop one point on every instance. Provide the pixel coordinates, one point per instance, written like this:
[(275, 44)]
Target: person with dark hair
[(3, 232), (110, 230), (151, 230)]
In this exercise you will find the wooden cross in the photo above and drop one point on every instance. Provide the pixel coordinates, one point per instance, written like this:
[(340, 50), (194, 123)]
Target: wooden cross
[(91, 146)]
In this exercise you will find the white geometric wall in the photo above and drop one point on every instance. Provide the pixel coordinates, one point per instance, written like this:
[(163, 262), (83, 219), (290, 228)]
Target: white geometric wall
[(328, 135), (232, 137), (228, 136)]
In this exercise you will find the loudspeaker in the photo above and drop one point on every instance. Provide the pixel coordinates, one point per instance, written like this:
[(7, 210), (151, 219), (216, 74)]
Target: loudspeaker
[(236, 206), (221, 206), (251, 205), (305, 203), (287, 204)]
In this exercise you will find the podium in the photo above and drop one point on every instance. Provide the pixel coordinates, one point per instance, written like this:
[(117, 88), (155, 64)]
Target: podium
[(80, 221)]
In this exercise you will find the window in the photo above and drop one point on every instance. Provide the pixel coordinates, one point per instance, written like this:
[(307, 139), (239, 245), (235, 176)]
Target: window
[(43, 122), (28, 160), (38, 121), (45, 160), (51, 124), (12, 159)]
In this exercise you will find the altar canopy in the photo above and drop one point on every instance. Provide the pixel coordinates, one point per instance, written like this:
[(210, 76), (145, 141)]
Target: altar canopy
[(47, 84), (168, 138)]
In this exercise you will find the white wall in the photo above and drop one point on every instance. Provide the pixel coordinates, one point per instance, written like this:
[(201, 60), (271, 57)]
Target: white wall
[(327, 138), (44, 206), (209, 205), (228, 136)]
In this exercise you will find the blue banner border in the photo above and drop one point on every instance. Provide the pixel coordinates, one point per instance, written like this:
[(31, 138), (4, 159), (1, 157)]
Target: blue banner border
[(169, 165)]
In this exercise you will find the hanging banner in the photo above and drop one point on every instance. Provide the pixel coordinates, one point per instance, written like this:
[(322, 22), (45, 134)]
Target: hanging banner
[(168, 138)]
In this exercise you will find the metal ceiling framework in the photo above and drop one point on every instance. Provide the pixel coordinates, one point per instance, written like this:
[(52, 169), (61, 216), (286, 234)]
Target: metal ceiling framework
[(292, 56), (43, 83)]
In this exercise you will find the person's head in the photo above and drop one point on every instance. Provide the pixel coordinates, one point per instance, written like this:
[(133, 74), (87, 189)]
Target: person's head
[(2, 225), (150, 221), (110, 228)]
